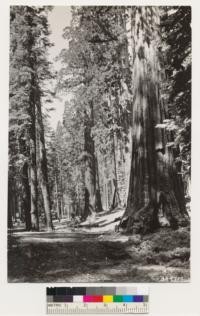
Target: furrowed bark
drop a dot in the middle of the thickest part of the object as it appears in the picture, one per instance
(152, 189)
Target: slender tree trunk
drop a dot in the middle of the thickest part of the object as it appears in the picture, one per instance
(32, 134)
(61, 194)
(58, 207)
(26, 196)
(60, 186)
(43, 168)
(14, 201)
(90, 173)
(99, 207)
(116, 198)
(10, 204)
(20, 207)
(153, 174)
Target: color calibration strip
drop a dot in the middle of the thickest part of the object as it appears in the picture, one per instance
(86, 300)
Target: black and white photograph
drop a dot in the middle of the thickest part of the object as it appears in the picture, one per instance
(99, 150)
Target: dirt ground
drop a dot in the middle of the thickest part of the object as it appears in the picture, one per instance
(82, 255)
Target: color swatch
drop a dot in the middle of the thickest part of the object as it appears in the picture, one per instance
(96, 295)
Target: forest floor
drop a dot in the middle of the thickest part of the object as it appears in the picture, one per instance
(95, 253)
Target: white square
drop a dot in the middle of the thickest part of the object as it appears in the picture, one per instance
(78, 298)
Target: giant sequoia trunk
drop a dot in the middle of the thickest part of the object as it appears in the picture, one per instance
(153, 197)
(92, 192)
(43, 168)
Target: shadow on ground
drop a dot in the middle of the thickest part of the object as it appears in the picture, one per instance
(89, 257)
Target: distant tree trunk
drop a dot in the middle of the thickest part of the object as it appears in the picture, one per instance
(116, 198)
(61, 195)
(10, 204)
(10, 223)
(59, 179)
(14, 200)
(61, 206)
(98, 192)
(153, 178)
(26, 196)
(43, 168)
(58, 206)
(90, 173)
(92, 195)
